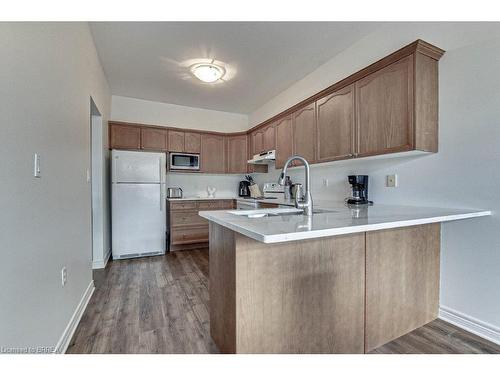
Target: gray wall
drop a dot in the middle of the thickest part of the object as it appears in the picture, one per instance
(465, 172)
(48, 72)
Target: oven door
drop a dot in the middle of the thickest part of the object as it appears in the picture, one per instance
(182, 161)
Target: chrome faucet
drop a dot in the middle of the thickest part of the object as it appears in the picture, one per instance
(306, 204)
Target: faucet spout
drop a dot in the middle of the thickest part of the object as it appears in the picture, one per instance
(305, 204)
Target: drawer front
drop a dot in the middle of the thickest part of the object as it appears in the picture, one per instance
(184, 205)
(186, 218)
(227, 204)
(209, 205)
(189, 235)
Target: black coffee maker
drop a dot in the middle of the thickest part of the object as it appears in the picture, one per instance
(359, 189)
(243, 190)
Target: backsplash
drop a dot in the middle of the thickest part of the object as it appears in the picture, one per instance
(195, 184)
(336, 173)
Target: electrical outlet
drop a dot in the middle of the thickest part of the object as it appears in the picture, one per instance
(391, 180)
(64, 276)
(325, 182)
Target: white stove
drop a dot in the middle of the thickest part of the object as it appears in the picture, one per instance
(271, 191)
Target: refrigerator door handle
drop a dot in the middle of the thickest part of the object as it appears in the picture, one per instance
(160, 175)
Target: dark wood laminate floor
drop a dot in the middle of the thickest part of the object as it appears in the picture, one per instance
(160, 305)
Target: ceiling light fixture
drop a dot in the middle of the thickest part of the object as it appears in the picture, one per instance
(208, 72)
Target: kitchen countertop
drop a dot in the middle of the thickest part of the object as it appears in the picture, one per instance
(343, 220)
(276, 201)
(194, 198)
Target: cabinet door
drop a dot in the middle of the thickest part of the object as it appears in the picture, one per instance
(257, 142)
(212, 153)
(304, 130)
(125, 137)
(268, 138)
(385, 110)
(175, 141)
(153, 139)
(236, 154)
(335, 125)
(192, 142)
(284, 141)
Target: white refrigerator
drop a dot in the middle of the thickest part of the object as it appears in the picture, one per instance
(138, 217)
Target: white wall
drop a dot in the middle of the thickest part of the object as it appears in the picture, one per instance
(164, 114)
(465, 172)
(48, 74)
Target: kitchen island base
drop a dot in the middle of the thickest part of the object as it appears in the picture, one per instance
(339, 294)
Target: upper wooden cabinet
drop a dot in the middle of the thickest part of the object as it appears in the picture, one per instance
(385, 109)
(268, 138)
(124, 137)
(236, 154)
(192, 142)
(154, 139)
(304, 132)
(212, 153)
(284, 141)
(175, 141)
(257, 142)
(263, 139)
(389, 106)
(335, 125)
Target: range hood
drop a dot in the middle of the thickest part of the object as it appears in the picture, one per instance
(263, 158)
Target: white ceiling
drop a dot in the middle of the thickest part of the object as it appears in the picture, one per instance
(145, 60)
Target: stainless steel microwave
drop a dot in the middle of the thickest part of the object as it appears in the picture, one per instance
(182, 161)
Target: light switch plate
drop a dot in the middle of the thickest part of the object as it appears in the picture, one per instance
(36, 166)
(391, 180)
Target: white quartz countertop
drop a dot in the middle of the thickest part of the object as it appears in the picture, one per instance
(195, 198)
(342, 220)
(280, 201)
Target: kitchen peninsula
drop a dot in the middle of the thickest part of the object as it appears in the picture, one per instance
(344, 280)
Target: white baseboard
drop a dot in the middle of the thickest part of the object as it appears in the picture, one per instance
(99, 264)
(62, 344)
(470, 324)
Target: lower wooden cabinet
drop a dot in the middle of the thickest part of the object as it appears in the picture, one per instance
(187, 229)
(188, 236)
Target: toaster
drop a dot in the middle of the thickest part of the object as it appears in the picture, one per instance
(174, 192)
